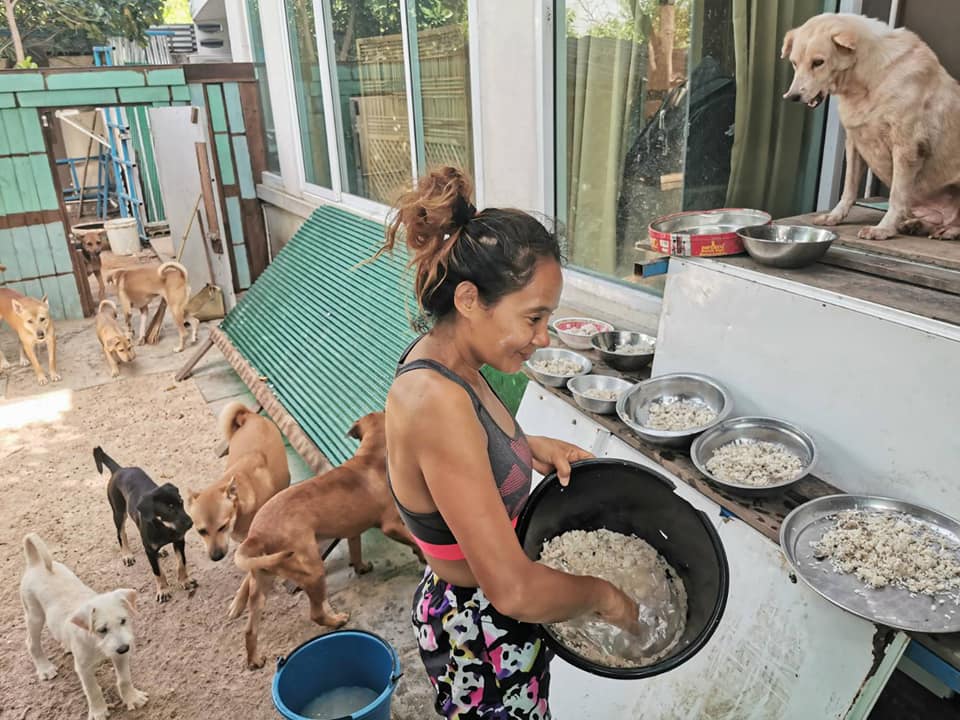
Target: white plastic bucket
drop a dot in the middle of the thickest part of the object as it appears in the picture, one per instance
(123, 235)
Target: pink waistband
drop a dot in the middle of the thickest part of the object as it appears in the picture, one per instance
(446, 552)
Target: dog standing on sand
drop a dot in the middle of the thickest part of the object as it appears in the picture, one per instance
(158, 513)
(92, 627)
(116, 344)
(288, 533)
(901, 112)
(256, 470)
(30, 319)
(137, 287)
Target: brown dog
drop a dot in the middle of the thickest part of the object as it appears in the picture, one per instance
(901, 112)
(116, 344)
(30, 319)
(287, 536)
(90, 247)
(256, 471)
(138, 286)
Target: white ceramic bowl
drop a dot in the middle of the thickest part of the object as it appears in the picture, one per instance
(576, 332)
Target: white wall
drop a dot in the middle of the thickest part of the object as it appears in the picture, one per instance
(509, 56)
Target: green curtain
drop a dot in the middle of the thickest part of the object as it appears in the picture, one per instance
(604, 82)
(772, 167)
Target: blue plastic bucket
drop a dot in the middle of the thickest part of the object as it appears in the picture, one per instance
(342, 658)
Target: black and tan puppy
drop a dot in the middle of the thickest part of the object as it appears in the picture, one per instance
(158, 513)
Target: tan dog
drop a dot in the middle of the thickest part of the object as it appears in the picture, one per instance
(289, 533)
(256, 471)
(138, 286)
(901, 113)
(90, 247)
(30, 319)
(116, 344)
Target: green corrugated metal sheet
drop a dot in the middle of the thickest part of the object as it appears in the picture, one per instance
(327, 334)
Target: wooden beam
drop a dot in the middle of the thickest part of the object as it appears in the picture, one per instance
(219, 72)
(299, 440)
(187, 370)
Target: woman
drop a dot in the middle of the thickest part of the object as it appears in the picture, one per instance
(459, 465)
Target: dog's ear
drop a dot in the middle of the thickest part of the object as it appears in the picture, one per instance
(45, 301)
(145, 506)
(787, 44)
(355, 431)
(231, 492)
(18, 307)
(192, 496)
(129, 598)
(845, 40)
(83, 618)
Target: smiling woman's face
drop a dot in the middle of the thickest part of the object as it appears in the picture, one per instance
(506, 333)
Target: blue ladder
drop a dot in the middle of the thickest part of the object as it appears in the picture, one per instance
(122, 159)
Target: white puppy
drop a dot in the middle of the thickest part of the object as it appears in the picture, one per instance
(93, 627)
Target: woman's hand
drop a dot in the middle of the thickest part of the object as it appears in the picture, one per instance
(550, 455)
(617, 608)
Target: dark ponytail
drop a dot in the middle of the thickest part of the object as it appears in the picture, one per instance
(450, 242)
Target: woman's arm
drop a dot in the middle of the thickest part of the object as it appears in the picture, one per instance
(450, 447)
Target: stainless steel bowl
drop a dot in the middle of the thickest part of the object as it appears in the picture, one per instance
(557, 354)
(607, 343)
(633, 406)
(579, 385)
(786, 246)
(744, 430)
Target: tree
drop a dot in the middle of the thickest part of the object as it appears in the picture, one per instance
(75, 26)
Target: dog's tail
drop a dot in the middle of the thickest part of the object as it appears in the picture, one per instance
(171, 266)
(110, 304)
(114, 276)
(232, 418)
(35, 551)
(249, 563)
(101, 459)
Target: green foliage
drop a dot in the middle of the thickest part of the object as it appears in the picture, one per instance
(26, 64)
(62, 27)
(177, 12)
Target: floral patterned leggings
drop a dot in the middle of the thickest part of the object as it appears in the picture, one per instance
(481, 663)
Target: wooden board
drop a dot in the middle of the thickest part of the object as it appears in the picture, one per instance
(907, 271)
(922, 301)
(942, 253)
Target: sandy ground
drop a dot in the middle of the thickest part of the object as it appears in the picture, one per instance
(189, 658)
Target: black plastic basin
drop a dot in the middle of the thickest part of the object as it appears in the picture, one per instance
(628, 498)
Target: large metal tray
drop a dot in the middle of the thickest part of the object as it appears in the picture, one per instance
(886, 606)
